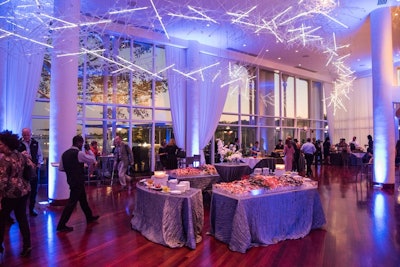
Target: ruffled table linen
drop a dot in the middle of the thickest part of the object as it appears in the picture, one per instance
(169, 220)
(246, 221)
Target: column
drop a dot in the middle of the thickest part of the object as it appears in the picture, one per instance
(382, 78)
(63, 99)
(193, 101)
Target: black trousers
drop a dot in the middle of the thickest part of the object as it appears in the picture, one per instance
(309, 161)
(18, 205)
(77, 193)
(32, 198)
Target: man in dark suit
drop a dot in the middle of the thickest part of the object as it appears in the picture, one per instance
(32, 148)
(72, 162)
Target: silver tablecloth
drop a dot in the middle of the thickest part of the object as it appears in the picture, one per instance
(203, 182)
(231, 172)
(170, 220)
(266, 219)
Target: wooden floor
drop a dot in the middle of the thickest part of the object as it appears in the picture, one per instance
(363, 229)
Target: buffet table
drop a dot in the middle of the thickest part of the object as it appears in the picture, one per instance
(355, 159)
(201, 181)
(169, 220)
(231, 172)
(246, 221)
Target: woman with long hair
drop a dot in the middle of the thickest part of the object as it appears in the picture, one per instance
(14, 188)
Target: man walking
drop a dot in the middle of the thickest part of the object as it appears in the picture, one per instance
(72, 162)
(308, 149)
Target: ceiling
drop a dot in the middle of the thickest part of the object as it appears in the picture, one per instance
(324, 38)
(298, 33)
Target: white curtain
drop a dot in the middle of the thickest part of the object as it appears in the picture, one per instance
(357, 117)
(22, 61)
(177, 92)
(212, 99)
(23, 76)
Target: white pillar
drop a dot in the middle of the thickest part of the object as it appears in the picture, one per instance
(63, 96)
(382, 77)
(193, 101)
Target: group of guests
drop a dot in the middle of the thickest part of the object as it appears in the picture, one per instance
(312, 150)
(293, 154)
(19, 162)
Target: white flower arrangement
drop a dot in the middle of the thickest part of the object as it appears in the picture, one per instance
(228, 153)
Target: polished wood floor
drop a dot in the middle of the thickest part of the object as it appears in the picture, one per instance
(363, 229)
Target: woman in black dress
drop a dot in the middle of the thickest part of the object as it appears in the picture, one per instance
(172, 149)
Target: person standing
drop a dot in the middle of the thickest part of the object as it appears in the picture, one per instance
(308, 149)
(327, 150)
(32, 147)
(95, 149)
(279, 145)
(162, 152)
(72, 162)
(255, 150)
(318, 153)
(343, 147)
(288, 151)
(296, 156)
(124, 157)
(370, 144)
(172, 150)
(14, 189)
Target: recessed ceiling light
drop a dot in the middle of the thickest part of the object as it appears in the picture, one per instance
(244, 45)
(297, 51)
(279, 58)
(358, 59)
(299, 64)
(266, 50)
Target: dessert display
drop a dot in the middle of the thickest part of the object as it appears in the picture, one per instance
(267, 184)
(206, 169)
(209, 169)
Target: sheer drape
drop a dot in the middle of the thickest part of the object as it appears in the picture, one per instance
(177, 92)
(212, 99)
(23, 77)
(21, 71)
(356, 120)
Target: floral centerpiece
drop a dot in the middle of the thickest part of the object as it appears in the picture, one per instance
(228, 153)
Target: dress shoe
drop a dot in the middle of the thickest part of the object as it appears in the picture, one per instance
(64, 228)
(33, 213)
(93, 219)
(26, 252)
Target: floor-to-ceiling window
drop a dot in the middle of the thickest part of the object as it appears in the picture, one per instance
(123, 90)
